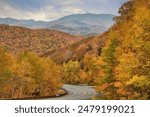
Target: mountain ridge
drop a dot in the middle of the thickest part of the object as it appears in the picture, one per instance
(76, 24)
(83, 24)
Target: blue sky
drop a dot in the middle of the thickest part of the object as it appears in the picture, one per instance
(48, 10)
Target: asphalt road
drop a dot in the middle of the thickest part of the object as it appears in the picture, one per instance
(77, 93)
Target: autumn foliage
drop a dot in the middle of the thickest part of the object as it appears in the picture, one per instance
(117, 62)
(27, 75)
(122, 69)
(130, 63)
(40, 41)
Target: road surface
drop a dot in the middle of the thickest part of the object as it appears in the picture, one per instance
(76, 92)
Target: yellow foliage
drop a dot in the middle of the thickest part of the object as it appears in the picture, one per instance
(28, 75)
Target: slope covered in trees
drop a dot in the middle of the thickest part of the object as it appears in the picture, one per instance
(39, 41)
(77, 51)
(126, 55)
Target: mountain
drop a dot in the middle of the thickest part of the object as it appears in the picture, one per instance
(23, 23)
(83, 24)
(39, 41)
(77, 24)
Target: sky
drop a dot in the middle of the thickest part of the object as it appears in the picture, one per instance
(48, 10)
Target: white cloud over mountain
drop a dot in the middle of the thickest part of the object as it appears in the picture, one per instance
(54, 9)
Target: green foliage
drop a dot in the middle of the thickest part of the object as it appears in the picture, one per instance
(108, 56)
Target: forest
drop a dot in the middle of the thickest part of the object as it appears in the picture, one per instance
(116, 62)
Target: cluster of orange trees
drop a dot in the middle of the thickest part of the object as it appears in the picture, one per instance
(27, 75)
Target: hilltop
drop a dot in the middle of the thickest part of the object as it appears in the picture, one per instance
(83, 24)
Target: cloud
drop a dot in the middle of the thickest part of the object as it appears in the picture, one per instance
(14, 11)
(54, 9)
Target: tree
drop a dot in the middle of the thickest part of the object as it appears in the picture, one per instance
(107, 88)
(6, 62)
(71, 72)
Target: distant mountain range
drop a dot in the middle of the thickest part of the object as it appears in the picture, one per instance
(78, 24)
(24, 23)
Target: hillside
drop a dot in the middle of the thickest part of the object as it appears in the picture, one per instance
(40, 41)
(76, 51)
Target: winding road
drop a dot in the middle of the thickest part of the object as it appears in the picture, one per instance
(76, 92)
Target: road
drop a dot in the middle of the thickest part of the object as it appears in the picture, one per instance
(77, 93)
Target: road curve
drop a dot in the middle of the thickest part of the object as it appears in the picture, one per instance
(76, 92)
